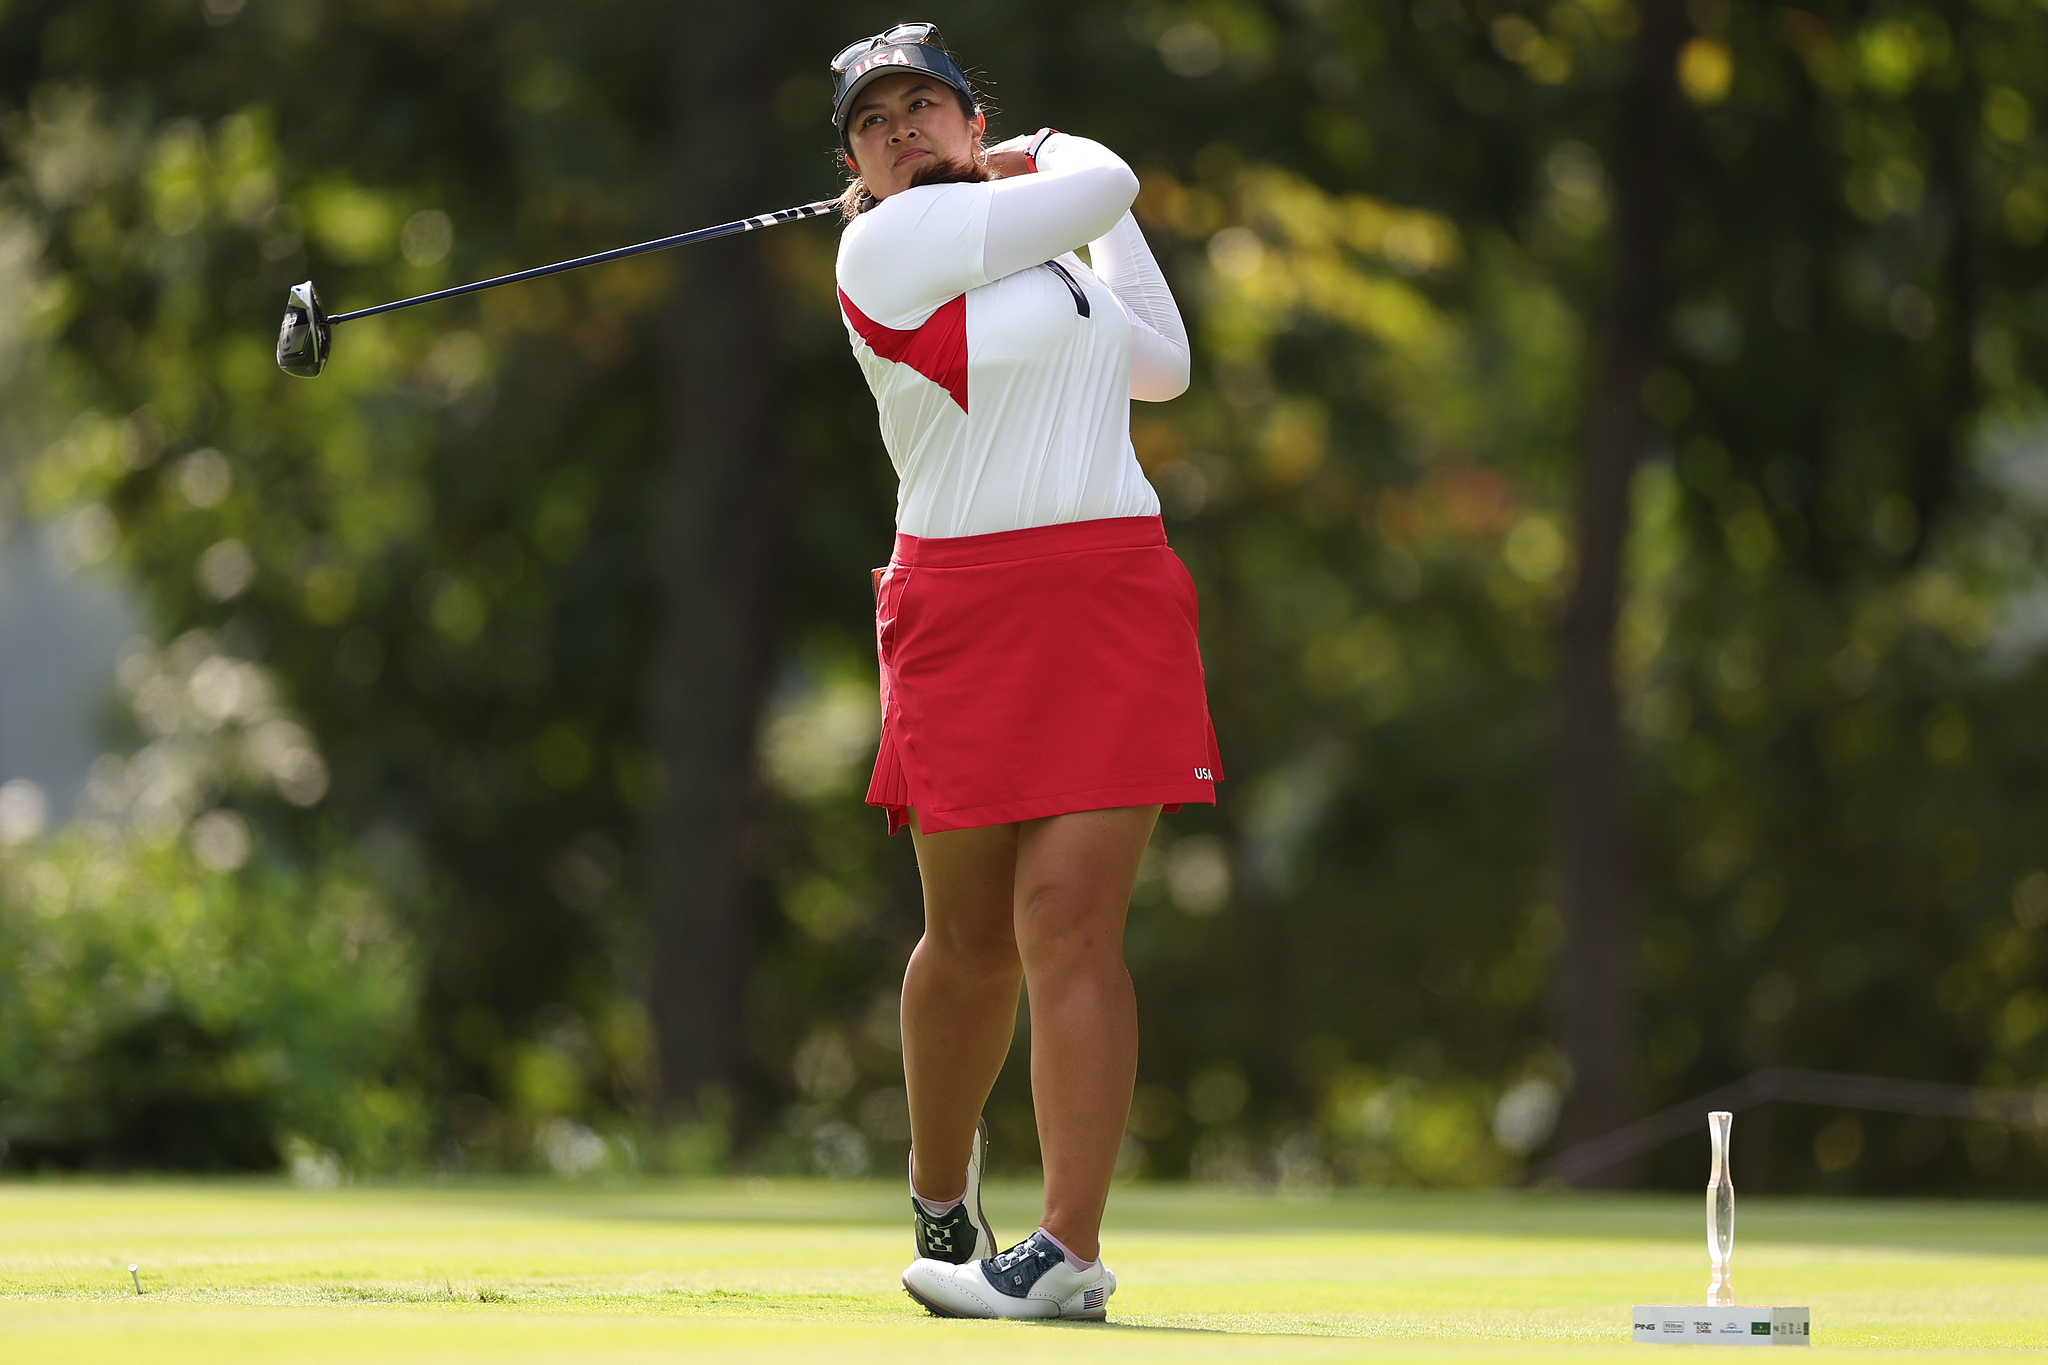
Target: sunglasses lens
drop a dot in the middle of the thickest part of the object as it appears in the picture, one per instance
(902, 33)
(853, 53)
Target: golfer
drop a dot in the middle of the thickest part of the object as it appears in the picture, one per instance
(1042, 694)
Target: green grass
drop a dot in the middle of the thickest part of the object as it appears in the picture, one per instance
(244, 1271)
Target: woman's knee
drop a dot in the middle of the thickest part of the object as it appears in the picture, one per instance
(978, 949)
(1069, 925)
(967, 876)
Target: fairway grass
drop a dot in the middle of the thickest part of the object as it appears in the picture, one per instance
(706, 1271)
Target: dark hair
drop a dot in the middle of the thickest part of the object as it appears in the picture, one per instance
(855, 200)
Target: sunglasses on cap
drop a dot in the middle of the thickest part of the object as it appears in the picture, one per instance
(902, 33)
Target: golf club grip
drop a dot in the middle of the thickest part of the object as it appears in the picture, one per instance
(790, 215)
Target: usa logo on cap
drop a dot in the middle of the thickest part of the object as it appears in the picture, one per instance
(895, 56)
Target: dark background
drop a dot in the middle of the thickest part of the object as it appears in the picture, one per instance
(1615, 476)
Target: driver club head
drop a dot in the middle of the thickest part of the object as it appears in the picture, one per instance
(302, 339)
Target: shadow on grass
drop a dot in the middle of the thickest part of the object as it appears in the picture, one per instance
(2010, 1228)
(2017, 1228)
(1161, 1329)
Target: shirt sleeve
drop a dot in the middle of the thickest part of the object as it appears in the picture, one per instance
(923, 247)
(1160, 359)
(1080, 191)
(914, 251)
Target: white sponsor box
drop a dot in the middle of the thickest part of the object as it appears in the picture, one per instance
(1692, 1325)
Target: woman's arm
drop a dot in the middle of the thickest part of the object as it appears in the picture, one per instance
(922, 247)
(1080, 191)
(913, 252)
(1160, 359)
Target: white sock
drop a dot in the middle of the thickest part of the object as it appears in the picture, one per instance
(1073, 1262)
(937, 1208)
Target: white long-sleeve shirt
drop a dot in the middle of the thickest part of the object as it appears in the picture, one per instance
(1002, 367)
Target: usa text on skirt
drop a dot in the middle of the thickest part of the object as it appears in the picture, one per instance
(1038, 672)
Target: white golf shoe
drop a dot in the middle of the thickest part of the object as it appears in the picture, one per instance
(962, 1235)
(1030, 1280)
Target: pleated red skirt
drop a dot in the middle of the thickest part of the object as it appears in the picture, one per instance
(1039, 672)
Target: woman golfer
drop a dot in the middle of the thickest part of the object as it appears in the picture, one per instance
(1042, 694)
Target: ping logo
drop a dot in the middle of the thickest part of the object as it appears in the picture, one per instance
(1204, 775)
(893, 57)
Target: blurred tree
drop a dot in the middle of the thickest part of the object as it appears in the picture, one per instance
(724, 506)
(555, 600)
(439, 550)
(1592, 989)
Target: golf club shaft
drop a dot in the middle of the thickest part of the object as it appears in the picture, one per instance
(822, 206)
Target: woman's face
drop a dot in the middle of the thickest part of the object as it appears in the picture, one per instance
(901, 125)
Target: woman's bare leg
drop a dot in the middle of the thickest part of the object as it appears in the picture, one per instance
(1073, 891)
(959, 996)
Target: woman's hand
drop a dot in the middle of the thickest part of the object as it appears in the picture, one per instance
(1006, 159)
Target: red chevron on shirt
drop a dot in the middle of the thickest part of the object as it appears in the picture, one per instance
(937, 350)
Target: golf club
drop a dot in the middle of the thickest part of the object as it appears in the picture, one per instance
(304, 340)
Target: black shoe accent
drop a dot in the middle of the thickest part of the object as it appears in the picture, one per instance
(1016, 1270)
(949, 1238)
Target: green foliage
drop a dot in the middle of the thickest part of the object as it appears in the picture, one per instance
(158, 1014)
(1389, 226)
(442, 574)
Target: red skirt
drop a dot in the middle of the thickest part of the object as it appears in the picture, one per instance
(1038, 672)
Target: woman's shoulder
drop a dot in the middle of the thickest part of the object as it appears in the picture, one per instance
(907, 210)
(916, 219)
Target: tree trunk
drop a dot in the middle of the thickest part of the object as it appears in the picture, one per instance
(1939, 450)
(1592, 1007)
(720, 517)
